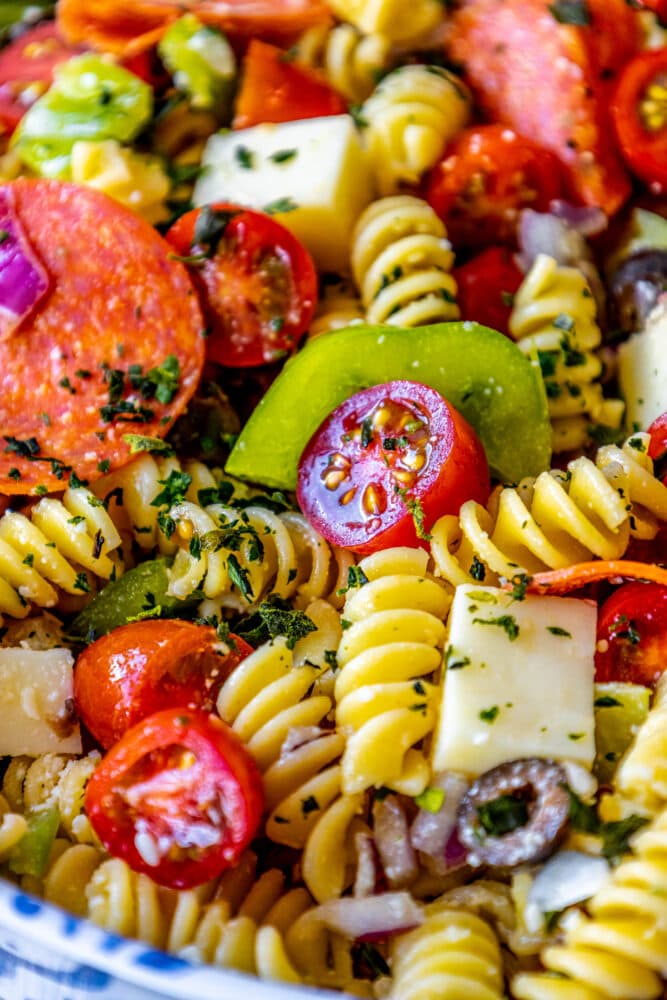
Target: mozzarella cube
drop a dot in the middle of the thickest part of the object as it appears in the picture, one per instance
(642, 371)
(36, 700)
(317, 168)
(518, 681)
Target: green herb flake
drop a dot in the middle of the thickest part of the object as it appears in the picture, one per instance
(573, 12)
(489, 715)
(606, 701)
(280, 205)
(283, 155)
(506, 622)
(239, 577)
(454, 660)
(244, 157)
(557, 630)
(309, 805)
(502, 815)
(355, 578)
(154, 446)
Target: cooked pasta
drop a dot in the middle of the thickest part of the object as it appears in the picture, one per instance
(13, 826)
(386, 689)
(339, 306)
(180, 132)
(322, 956)
(392, 18)
(554, 320)
(52, 780)
(619, 950)
(454, 954)
(61, 546)
(408, 121)
(556, 520)
(401, 261)
(134, 179)
(351, 61)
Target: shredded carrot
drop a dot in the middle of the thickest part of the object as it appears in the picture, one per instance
(562, 581)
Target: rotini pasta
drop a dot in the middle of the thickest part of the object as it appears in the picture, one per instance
(401, 261)
(339, 306)
(452, 956)
(134, 179)
(556, 520)
(391, 18)
(53, 780)
(620, 949)
(350, 60)
(61, 546)
(412, 115)
(385, 695)
(554, 319)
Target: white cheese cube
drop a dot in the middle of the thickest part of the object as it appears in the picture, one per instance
(327, 181)
(518, 681)
(642, 371)
(36, 702)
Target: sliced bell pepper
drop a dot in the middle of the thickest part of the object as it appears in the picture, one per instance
(479, 371)
(202, 63)
(30, 856)
(89, 99)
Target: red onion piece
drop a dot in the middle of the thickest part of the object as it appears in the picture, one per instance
(368, 869)
(392, 840)
(589, 220)
(371, 918)
(23, 280)
(456, 855)
(431, 832)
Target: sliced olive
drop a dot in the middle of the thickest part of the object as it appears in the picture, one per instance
(515, 813)
(635, 288)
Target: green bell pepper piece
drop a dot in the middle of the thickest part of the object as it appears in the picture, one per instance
(482, 373)
(89, 99)
(31, 855)
(139, 593)
(620, 709)
(202, 63)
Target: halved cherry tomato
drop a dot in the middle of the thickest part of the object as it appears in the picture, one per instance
(146, 666)
(639, 112)
(657, 448)
(486, 285)
(178, 798)
(386, 464)
(486, 176)
(26, 70)
(258, 284)
(273, 89)
(632, 635)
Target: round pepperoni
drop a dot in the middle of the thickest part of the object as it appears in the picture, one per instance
(113, 348)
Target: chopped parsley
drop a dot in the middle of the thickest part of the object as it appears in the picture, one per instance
(506, 622)
(283, 155)
(489, 715)
(309, 805)
(606, 701)
(244, 157)
(280, 205)
(355, 578)
(239, 577)
(615, 835)
(557, 630)
(416, 511)
(431, 799)
(140, 442)
(574, 12)
(454, 660)
(502, 815)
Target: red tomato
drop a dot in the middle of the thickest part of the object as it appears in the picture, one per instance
(178, 798)
(632, 635)
(639, 112)
(659, 7)
(386, 464)
(148, 67)
(146, 666)
(26, 70)
(258, 284)
(273, 89)
(486, 176)
(486, 286)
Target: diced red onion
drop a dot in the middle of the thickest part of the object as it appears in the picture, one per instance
(371, 918)
(23, 280)
(392, 839)
(431, 832)
(589, 220)
(456, 855)
(567, 878)
(368, 868)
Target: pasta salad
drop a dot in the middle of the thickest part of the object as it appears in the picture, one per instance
(333, 496)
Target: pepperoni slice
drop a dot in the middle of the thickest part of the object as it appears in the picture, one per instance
(113, 347)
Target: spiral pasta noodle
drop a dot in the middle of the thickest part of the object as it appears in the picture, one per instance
(392, 19)
(554, 521)
(53, 780)
(385, 699)
(180, 132)
(135, 180)
(408, 121)
(454, 954)
(60, 546)
(401, 261)
(554, 319)
(350, 60)
(619, 950)
(339, 306)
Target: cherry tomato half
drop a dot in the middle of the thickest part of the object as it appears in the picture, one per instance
(486, 285)
(639, 112)
(657, 448)
(486, 176)
(632, 635)
(147, 666)
(386, 464)
(26, 69)
(273, 89)
(178, 798)
(258, 284)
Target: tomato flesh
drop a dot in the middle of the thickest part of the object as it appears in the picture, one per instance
(146, 666)
(632, 635)
(257, 283)
(178, 798)
(486, 176)
(485, 287)
(386, 464)
(639, 112)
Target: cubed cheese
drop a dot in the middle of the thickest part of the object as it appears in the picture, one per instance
(327, 182)
(642, 371)
(36, 702)
(518, 681)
